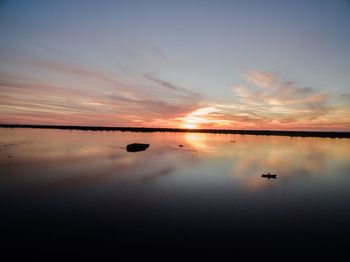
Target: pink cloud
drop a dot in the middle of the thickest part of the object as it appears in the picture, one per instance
(282, 105)
(110, 102)
(259, 79)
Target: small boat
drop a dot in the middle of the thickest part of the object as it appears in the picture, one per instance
(268, 176)
(136, 147)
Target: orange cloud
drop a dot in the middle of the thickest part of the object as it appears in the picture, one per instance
(280, 105)
(93, 97)
(104, 102)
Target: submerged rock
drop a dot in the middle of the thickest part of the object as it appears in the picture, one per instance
(136, 147)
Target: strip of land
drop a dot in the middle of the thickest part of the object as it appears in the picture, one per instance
(214, 131)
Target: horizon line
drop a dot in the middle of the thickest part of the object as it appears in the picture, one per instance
(291, 133)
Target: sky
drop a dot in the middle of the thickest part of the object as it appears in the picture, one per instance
(279, 65)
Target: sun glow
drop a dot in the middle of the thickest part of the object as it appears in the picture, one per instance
(190, 125)
(202, 117)
(197, 117)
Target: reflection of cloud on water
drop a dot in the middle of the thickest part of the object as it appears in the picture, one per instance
(67, 159)
(289, 161)
(8, 146)
(95, 166)
(289, 158)
(163, 172)
(117, 168)
(60, 160)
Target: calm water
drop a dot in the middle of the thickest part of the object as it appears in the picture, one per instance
(81, 191)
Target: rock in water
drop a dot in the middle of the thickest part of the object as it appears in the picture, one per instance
(136, 147)
(268, 176)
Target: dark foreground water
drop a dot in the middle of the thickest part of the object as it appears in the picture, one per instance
(80, 192)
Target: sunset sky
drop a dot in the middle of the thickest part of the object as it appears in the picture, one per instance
(281, 65)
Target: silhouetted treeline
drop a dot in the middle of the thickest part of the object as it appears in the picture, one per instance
(213, 131)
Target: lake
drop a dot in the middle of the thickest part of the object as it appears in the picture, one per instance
(67, 191)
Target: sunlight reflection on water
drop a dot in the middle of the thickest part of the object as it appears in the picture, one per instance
(211, 188)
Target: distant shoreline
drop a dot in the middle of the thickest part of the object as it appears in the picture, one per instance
(182, 130)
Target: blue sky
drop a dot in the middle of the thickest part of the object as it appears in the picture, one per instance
(230, 64)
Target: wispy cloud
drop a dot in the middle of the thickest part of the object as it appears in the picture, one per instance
(86, 95)
(345, 97)
(282, 100)
(268, 102)
(259, 78)
(176, 90)
(105, 101)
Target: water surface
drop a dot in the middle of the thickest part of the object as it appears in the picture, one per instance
(81, 191)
